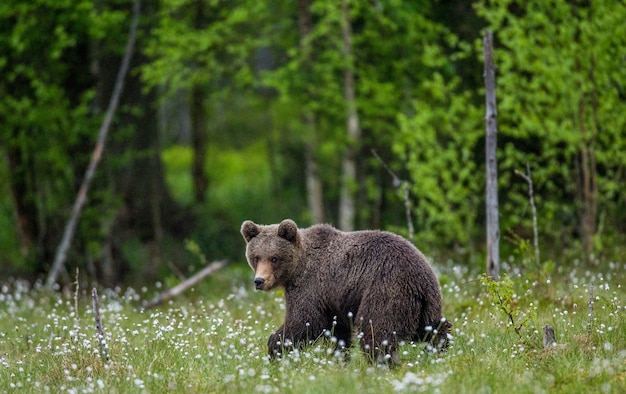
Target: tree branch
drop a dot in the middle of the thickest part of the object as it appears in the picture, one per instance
(531, 197)
(397, 182)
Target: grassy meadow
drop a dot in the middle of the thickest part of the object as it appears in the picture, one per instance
(213, 339)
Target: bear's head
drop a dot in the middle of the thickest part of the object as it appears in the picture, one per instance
(272, 252)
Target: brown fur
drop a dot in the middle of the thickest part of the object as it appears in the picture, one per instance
(370, 283)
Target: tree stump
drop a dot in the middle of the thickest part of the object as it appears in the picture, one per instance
(549, 337)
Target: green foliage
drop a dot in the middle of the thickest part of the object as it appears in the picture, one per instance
(177, 161)
(388, 77)
(46, 113)
(502, 295)
(268, 94)
(240, 188)
(438, 145)
(199, 43)
(560, 98)
(523, 250)
(237, 175)
(194, 249)
(9, 243)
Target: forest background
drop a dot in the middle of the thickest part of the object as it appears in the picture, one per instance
(263, 110)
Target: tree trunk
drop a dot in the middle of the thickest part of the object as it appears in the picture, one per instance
(148, 207)
(493, 226)
(199, 136)
(25, 212)
(588, 211)
(586, 168)
(146, 210)
(314, 187)
(347, 209)
(199, 140)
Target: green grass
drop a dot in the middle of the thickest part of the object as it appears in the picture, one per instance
(214, 340)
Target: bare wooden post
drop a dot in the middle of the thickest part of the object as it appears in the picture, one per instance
(493, 226)
(590, 324)
(549, 336)
(96, 315)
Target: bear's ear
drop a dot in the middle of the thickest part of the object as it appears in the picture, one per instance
(288, 230)
(249, 230)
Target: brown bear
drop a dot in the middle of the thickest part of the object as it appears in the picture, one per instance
(373, 284)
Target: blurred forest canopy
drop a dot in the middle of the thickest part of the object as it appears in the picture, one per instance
(247, 109)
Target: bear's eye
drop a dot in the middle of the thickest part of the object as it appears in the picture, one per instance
(274, 260)
(256, 259)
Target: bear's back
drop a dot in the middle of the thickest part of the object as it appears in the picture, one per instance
(380, 250)
(321, 235)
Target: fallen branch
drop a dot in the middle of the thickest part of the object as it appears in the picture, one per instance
(61, 253)
(96, 315)
(187, 283)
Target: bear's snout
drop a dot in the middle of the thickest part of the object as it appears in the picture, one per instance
(258, 283)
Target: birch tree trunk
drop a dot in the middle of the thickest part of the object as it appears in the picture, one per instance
(347, 211)
(315, 195)
(493, 226)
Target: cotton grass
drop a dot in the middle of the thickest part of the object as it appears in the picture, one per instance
(215, 341)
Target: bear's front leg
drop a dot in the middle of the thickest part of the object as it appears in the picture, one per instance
(275, 344)
(285, 339)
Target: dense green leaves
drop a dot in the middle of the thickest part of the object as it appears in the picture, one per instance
(202, 42)
(248, 94)
(46, 91)
(439, 144)
(561, 82)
